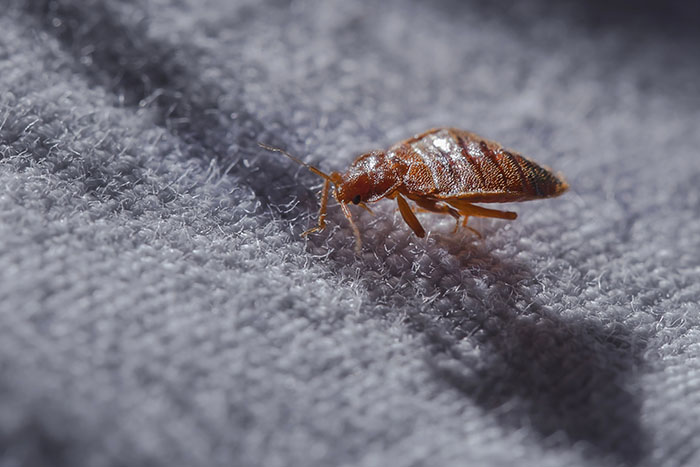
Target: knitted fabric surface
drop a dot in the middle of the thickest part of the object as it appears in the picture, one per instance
(158, 306)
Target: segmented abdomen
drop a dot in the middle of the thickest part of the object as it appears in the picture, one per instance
(451, 163)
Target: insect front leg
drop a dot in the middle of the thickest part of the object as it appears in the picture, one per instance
(355, 230)
(322, 210)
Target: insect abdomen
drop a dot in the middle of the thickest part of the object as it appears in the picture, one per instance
(451, 163)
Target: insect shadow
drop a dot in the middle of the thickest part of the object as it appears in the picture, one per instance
(139, 70)
(490, 335)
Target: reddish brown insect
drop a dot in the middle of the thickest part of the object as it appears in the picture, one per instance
(443, 170)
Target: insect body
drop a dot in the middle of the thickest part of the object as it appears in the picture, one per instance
(443, 170)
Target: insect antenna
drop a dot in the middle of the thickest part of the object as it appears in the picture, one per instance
(298, 161)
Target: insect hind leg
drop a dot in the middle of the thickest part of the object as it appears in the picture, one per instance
(468, 209)
(434, 206)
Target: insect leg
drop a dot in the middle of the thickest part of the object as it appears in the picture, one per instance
(433, 206)
(355, 230)
(409, 217)
(468, 209)
(471, 229)
(322, 211)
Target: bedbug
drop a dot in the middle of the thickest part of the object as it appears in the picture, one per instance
(443, 170)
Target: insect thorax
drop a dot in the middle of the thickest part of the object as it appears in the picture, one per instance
(369, 178)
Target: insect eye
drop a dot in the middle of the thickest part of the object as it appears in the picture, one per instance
(357, 199)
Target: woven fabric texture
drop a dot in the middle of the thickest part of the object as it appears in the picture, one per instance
(158, 307)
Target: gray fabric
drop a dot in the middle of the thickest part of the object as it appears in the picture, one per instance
(157, 306)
